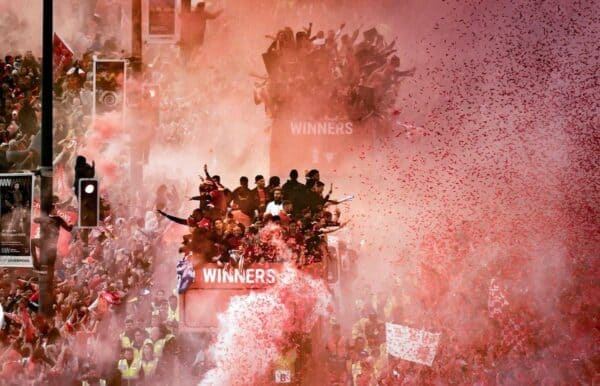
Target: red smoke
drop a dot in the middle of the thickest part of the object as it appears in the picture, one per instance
(257, 327)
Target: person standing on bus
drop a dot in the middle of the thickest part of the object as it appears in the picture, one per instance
(275, 207)
(260, 195)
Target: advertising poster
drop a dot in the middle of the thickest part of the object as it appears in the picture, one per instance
(16, 197)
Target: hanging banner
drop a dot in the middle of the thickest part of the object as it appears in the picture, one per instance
(16, 198)
(411, 344)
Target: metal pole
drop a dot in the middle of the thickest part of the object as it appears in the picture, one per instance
(47, 254)
(136, 168)
(136, 30)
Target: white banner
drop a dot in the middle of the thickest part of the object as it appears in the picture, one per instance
(410, 344)
(1, 317)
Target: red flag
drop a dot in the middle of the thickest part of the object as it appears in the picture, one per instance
(110, 297)
(29, 328)
(62, 55)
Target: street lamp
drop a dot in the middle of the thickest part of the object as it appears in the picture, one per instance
(47, 255)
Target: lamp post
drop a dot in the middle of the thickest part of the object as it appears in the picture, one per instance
(47, 254)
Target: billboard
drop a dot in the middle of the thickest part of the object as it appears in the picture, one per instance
(16, 198)
(109, 87)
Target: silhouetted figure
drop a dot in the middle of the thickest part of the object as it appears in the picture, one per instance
(83, 170)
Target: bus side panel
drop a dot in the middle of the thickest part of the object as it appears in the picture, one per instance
(200, 307)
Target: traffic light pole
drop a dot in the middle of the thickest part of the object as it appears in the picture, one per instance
(47, 254)
(136, 168)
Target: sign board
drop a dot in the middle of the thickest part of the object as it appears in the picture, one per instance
(16, 198)
(109, 86)
(283, 376)
(411, 344)
(211, 276)
(212, 289)
(160, 20)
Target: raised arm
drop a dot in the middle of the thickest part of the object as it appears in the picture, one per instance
(177, 220)
(213, 15)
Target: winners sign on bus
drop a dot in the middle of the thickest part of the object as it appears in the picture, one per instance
(257, 276)
(214, 286)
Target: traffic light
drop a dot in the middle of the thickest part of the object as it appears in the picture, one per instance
(89, 203)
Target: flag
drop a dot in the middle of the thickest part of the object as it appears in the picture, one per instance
(62, 55)
(110, 297)
(185, 275)
(411, 344)
(28, 324)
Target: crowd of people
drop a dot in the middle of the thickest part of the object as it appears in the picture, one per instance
(236, 228)
(97, 282)
(103, 279)
(330, 70)
(115, 324)
(502, 335)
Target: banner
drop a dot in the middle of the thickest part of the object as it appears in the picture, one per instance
(211, 276)
(411, 344)
(16, 198)
(1, 317)
(62, 55)
(109, 86)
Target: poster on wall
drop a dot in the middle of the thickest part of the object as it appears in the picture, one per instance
(16, 198)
